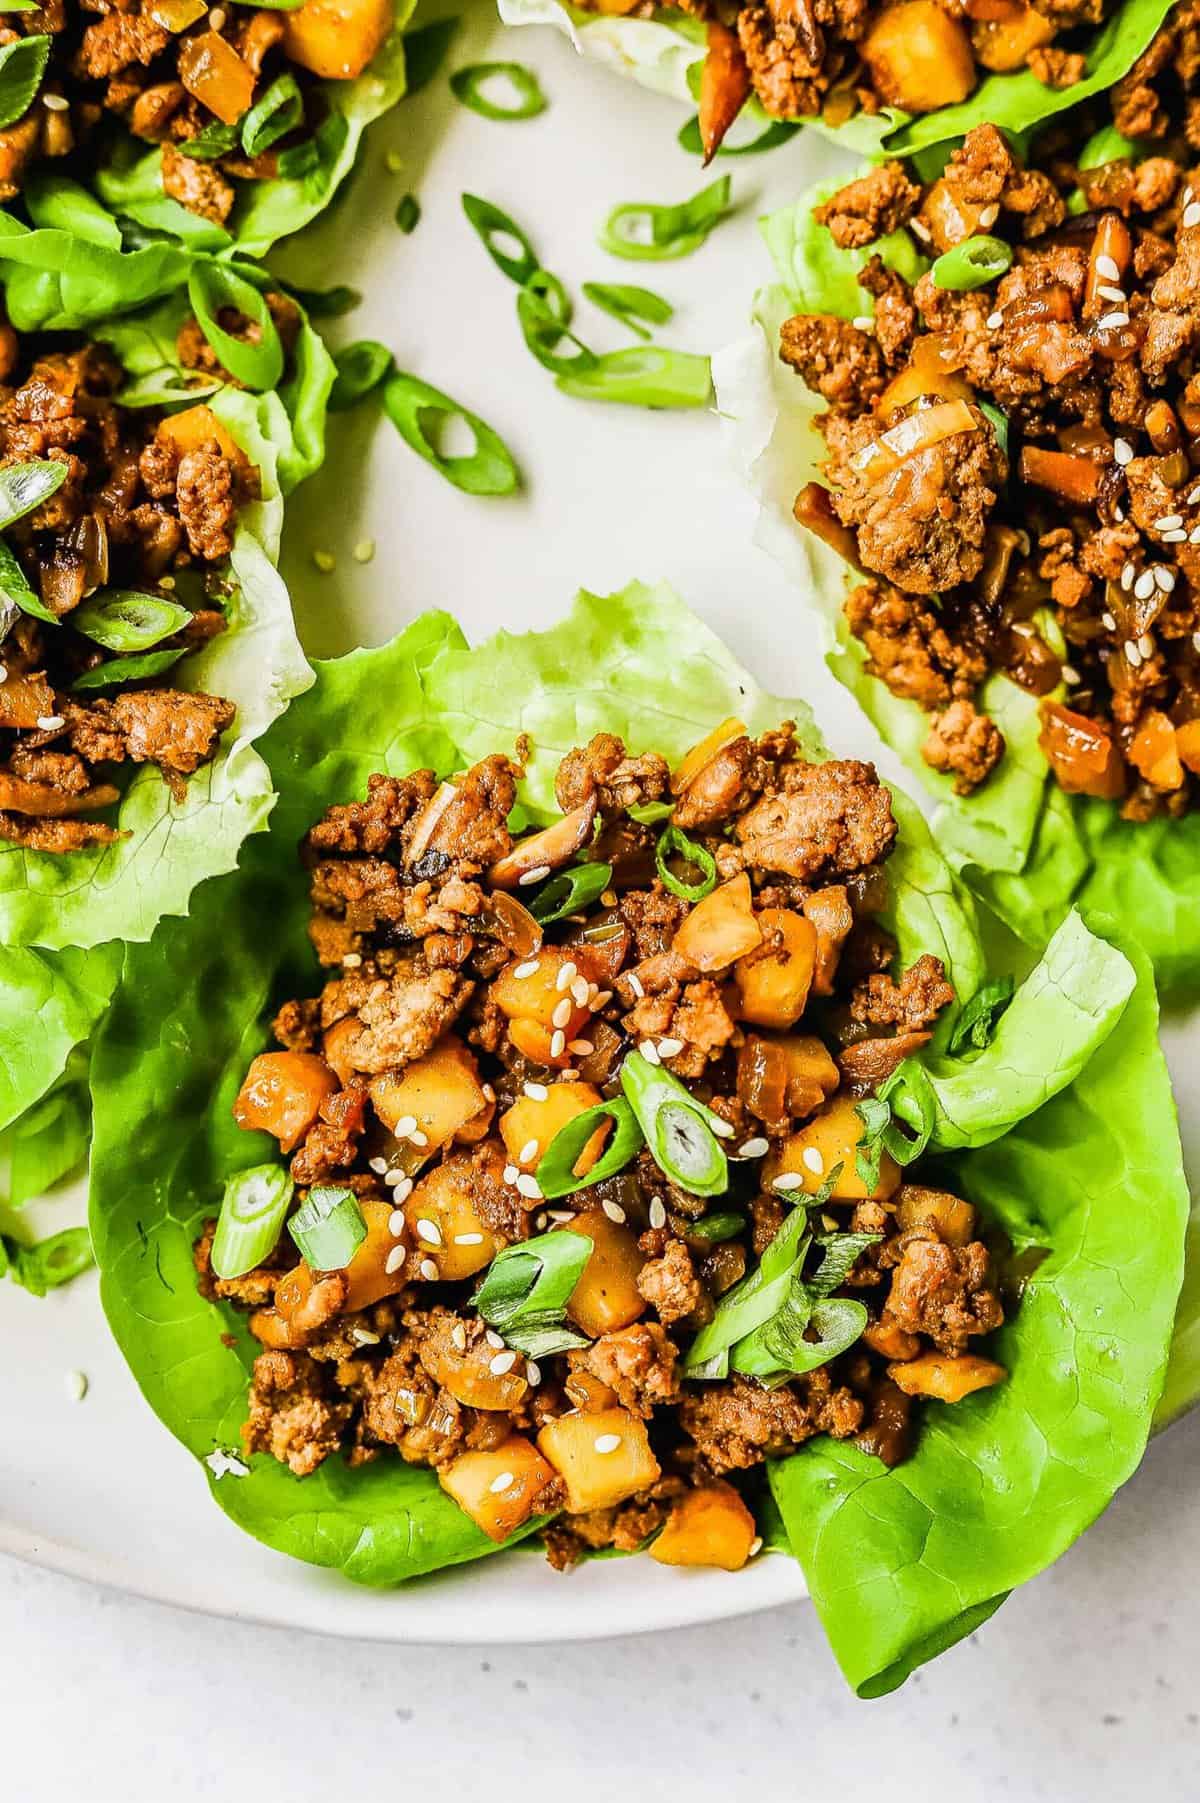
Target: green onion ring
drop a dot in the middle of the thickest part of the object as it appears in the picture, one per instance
(555, 1174)
(972, 264)
(124, 620)
(329, 1228)
(490, 221)
(676, 842)
(629, 304)
(252, 1212)
(411, 404)
(213, 286)
(569, 892)
(467, 85)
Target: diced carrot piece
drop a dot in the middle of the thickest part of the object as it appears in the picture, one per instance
(1154, 752)
(282, 1095)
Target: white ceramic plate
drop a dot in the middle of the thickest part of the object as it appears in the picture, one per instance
(99, 1488)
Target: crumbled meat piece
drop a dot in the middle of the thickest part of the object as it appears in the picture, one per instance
(292, 1413)
(206, 495)
(619, 782)
(909, 648)
(119, 39)
(637, 1363)
(332, 1143)
(826, 818)
(653, 916)
(738, 1424)
(198, 186)
(870, 207)
(912, 1004)
(625, 1528)
(835, 358)
(1057, 68)
(964, 743)
(173, 728)
(399, 1016)
(670, 1284)
(944, 1292)
(702, 1022)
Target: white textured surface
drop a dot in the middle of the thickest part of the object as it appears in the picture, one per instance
(1081, 1688)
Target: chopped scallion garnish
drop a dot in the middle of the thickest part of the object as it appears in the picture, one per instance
(128, 669)
(280, 111)
(677, 1127)
(972, 264)
(360, 367)
(630, 304)
(329, 1228)
(252, 1214)
(416, 410)
(646, 376)
(644, 231)
(569, 892)
(212, 287)
(528, 101)
(555, 1174)
(124, 620)
(24, 486)
(526, 1289)
(408, 214)
(517, 259)
(675, 843)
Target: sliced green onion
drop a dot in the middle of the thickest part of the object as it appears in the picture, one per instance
(778, 131)
(280, 111)
(972, 264)
(752, 1301)
(999, 423)
(424, 53)
(675, 843)
(408, 214)
(124, 620)
(781, 1349)
(360, 367)
(22, 65)
(641, 230)
(677, 1128)
(491, 223)
(976, 1026)
(1107, 145)
(545, 283)
(165, 387)
(909, 1094)
(415, 408)
(644, 377)
(630, 304)
(50, 1263)
(128, 669)
(526, 1289)
(649, 813)
(15, 589)
(214, 140)
(24, 486)
(569, 892)
(211, 288)
(840, 1252)
(252, 1214)
(329, 1228)
(715, 1228)
(542, 330)
(875, 1115)
(468, 84)
(555, 1174)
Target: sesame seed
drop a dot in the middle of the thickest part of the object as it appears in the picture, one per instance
(528, 1151)
(601, 999)
(405, 1126)
(812, 1158)
(1191, 216)
(352, 960)
(1109, 268)
(403, 1190)
(566, 976)
(217, 18)
(503, 1481)
(533, 876)
(988, 216)
(533, 1374)
(76, 1385)
(721, 1128)
(1119, 515)
(167, 582)
(428, 1270)
(649, 1051)
(1194, 498)
(55, 103)
(562, 1012)
(1132, 653)
(582, 1048)
(1122, 451)
(394, 161)
(1108, 622)
(397, 1222)
(364, 550)
(503, 1361)
(1169, 522)
(864, 322)
(830, 1222)
(527, 969)
(3, 672)
(635, 983)
(51, 722)
(393, 1177)
(788, 1180)
(537, 1092)
(581, 990)
(995, 321)
(1070, 673)
(1128, 576)
(1143, 588)
(541, 1221)
(568, 1076)
(528, 1187)
(607, 1442)
(493, 1339)
(489, 1094)
(658, 1214)
(753, 1148)
(1165, 577)
(756, 1546)
(1175, 537)
(558, 1043)
(920, 230)
(1196, 641)
(325, 561)
(429, 1231)
(561, 1215)
(614, 1211)
(458, 1336)
(669, 1048)
(1108, 322)
(419, 1139)
(1146, 645)
(362, 1336)
(511, 1173)
(1113, 294)
(394, 1260)
(468, 1239)
(379, 1166)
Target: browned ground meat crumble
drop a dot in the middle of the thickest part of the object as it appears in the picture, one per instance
(165, 82)
(147, 505)
(452, 1040)
(1067, 554)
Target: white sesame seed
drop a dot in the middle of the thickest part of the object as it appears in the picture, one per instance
(533, 876)
(55, 103)
(418, 1139)
(429, 1270)
(429, 1231)
(1177, 536)
(1196, 641)
(601, 999)
(404, 1126)
(1109, 268)
(566, 975)
(537, 1092)
(788, 1180)
(533, 1374)
(511, 1173)
(379, 1166)
(393, 1177)
(721, 1128)
(1169, 522)
(1128, 576)
(562, 1012)
(394, 1260)
(527, 969)
(1119, 515)
(403, 1190)
(3, 672)
(362, 1336)
(649, 1051)
(1194, 536)
(489, 1094)
(1191, 216)
(864, 322)
(503, 1361)
(753, 1148)
(1122, 451)
(995, 321)
(364, 550)
(1165, 577)
(51, 722)
(493, 1339)
(1108, 622)
(562, 1215)
(397, 1222)
(1146, 645)
(468, 1239)
(217, 18)
(500, 1483)
(614, 1211)
(1113, 294)
(581, 1048)
(1143, 588)
(568, 1076)
(1132, 653)
(76, 1385)
(352, 960)
(756, 1546)
(812, 1158)
(458, 1336)
(607, 1442)
(225, 1464)
(1070, 673)
(988, 216)
(1108, 322)
(581, 989)
(920, 230)
(635, 983)
(528, 1187)
(528, 1151)
(558, 1043)
(1194, 497)
(658, 1214)
(669, 1048)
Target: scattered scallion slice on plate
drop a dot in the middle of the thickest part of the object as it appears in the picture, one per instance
(645, 231)
(626, 302)
(470, 85)
(645, 376)
(493, 226)
(416, 410)
(360, 367)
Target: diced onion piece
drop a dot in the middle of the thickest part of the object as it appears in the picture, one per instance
(695, 760)
(545, 850)
(212, 71)
(1081, 752)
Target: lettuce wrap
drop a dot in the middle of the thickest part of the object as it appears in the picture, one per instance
(1025, 848)
(980, 1506)
(666, 53)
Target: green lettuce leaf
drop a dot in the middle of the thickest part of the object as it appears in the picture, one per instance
(49, 1004)
(58, 280)
(903, 1563)
(665, 53)
(50, 1140)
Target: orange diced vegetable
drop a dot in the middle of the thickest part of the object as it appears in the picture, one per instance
(444, 1223)
(945, 1379)
(1002, 45)
(1073, 479)
(336, 39)
(709, 1526)
(1154, 752)
(1081, 752)
(606, 1296)
(499, 1490)
(602, 1459)
(282, 1094)
(211, 70)
(830, 1139)
(774, 980)
(367, 1274)
(721, 928)
(949, 1217)
(919, 56)
(196, 429)
(1187, 743)
(441, 1092)
(24, 700)
(1112, 242)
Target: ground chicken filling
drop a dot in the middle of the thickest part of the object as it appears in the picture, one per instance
(1015, 468)
(831, 59)
(145, 514)
(228, 92)
(456, 1037)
